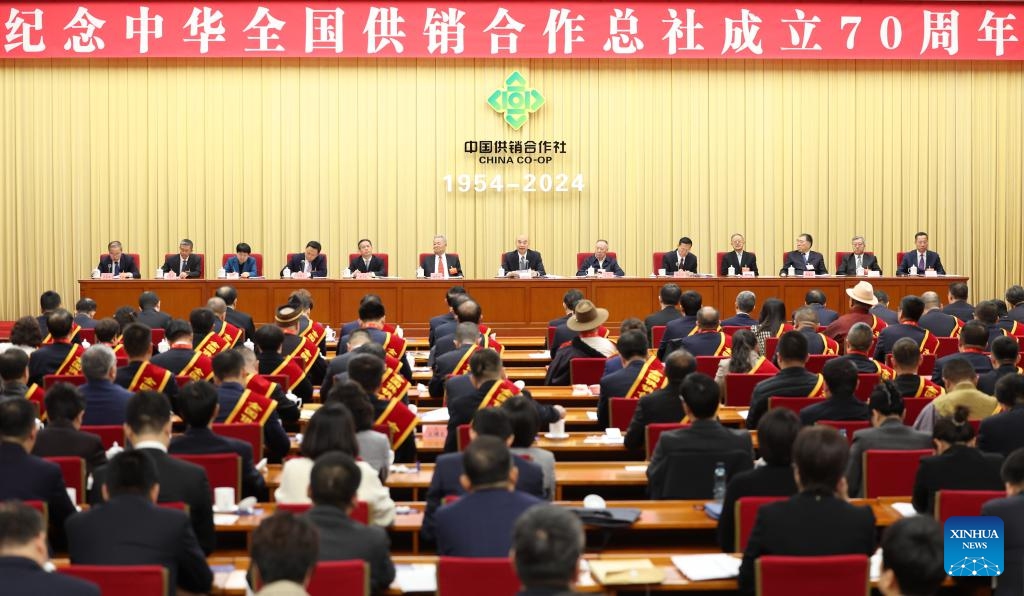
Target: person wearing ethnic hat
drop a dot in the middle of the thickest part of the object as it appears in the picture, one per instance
(862, 298)
(296, 347)
(585, 320)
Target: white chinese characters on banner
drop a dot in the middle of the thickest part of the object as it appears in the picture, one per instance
(509, 40)
(85, 41)
(267, 30)
(382, 28)
(997, 30)
(204, 26)
(559, 20)
(22, 26)
(445, 31)
(622, 25)
(324, 30)
(144, 27)
(684, 31)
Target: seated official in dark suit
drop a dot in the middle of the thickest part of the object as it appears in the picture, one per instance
(957, 463)
(818, 520)
(242, 262)
(230, 380)
(467, 310)
(816, 300)
(367, 262)
(792, 380)
(840, 403)
(445, 483)
(85, 313)
(1015, 301)
(1004, 432)
(63, 436)
(234, 316)
(668, 300)
(149, 312)
(128, 528)
(740, 261)
(480, 523)
(366, 369)
(805, 320)
(140, 374)
(105, 400)
(184, 265)
(547, 542)
(332, 486)
(683, 463)
(912, 557)
(523, 259)
(973, 337)
(882, 310)
(709, 339)
(958, 305)
(804, 259)
(858, 260)
(887, 432)
(690, 303)
(911, 309)
(26, 477)
(339, 364)
(197, 404)
(921, 258)
(939, 323)
(117, 263)
(680, 259)
(60, 357)
(440, 262)
(148, 429)
(447, 318)
(181, 360)
(309, 261)
(858, 343)
(663, 405)
(14, 377)
(284, 552)
(23, 553)
(906, 359)
(455, 362)
(775, 434)
(1005, 353)
(745, 302)
(600, 262)
(1011, 511)
(632, 347)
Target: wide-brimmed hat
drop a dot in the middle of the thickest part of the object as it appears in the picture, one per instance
(586, 316)
(863, 292)
(287, 314)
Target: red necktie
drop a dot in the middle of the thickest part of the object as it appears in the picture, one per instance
(439, 269)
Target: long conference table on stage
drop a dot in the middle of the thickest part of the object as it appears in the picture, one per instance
(510, 306)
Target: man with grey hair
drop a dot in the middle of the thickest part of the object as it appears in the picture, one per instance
(455, 362)
(858, 342)
(547, 542)
(745, 303)
(185, 264)
(105, 400)
(805, 320)
(117, 263)
(936, 321)
(858, 260)
(440, 262)
(221, 326)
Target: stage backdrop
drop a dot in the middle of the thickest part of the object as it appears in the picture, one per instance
(275, 152)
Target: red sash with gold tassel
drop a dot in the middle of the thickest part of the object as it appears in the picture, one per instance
(260, 385)
(486, 341)
(314, 332)
(251, 408)
(304, 355)
(925, 388)
(463, 366)
(291, 370)
(725, 347)
(651, 378)
(763, 367)
(400, 420)
(393, 385)
(877, 325)
(230, 333)
(212, 345)
(34, 394)
(499, 392)
(929, 343)
(200, 368)
(72, 364)
(819, 388)
(831, 345)
(394, 346)
(150, 377)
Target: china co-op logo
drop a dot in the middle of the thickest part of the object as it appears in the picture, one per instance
(516, 101)
(973, 546)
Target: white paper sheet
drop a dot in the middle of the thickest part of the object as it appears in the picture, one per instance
(419, 577)
(438, 415)
(904, 509)
(706, 567)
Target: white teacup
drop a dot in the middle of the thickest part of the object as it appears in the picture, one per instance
(224, 498)
(557, 428)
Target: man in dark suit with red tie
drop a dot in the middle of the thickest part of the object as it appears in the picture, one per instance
(740, 261)
(366, 261)
(922, 258)
(523, 259)
(117, 263)
(803, 258)
(185, 265)
(680, 259)
(441, 262)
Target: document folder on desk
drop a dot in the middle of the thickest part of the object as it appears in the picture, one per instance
(626, 572)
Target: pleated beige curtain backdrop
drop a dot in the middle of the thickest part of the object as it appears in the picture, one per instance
(277, 152)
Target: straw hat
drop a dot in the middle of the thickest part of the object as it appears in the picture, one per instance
(863, 292)
(587, 316)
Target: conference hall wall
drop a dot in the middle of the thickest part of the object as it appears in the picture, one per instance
(275, 152)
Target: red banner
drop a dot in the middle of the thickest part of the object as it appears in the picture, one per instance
(702, 30)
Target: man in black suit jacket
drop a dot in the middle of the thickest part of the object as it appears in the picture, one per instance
(745, 302)
(817, 300)
(63, 437)
(958, 305)
(234, 316)
(705, 439)
(1015, 300)
(1005, 353)
(522, 258)
(148, 429)
(920, 256)
(332, 486)
(466, 335)
(663, 405)
(841, 404)
(956, 466)
(442, 319)
(23, 553)
(1004, 432)
(818, 520)
(117, 263)
(366, 261)
(441, 261)
(185, 264)
(690, 303)
(680, 259)
(149, 312)
(668, 299)
(973, 338)
(85, 313)
(632, 347)
(851, 260)
(130, 529)
(27, 477)
(939, 323)
(740, 261)
(1011, 511)
(339, 364)
(600, 261)
(803, 258)
(48, 359)
(229, 376)
(308, 261)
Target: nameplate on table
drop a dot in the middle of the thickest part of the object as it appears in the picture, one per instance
(361, 275)
(435, 431)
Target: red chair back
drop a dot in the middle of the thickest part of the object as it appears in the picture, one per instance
(866, 383)
(770, 345)
(657, 333)
(849, 426)
(222, 469)
(462, 439)
(746, 514)
(947, 346)
(340, 577)
(836, 575)
(912, 407)
(891, 473)
(654, 431)
(840, 255)
(158, 336)
(202, 259)
(953, 503)
(551, 336)
(816, 362)
(586, 371)
(88, 335)
(465, 576)
(73, 470)
(256, 256)
(5, 330)
(731, 329)
(709, 364)
(793, 403)
(51, 380)
(582, 256)
(740, 386)
(359, 513)
(108, 433)
(296, 508)
(899, 258)
(656, 259)
(123, 580)
(380, 255)
(250, 433)
(620, 412)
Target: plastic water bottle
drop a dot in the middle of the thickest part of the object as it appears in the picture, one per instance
(791, 271)
(732, 271)
(719, 490)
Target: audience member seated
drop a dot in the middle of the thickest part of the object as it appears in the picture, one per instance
(805, 320)
(150, 315)
(338, 365)
(14, 374)
(140, 374)
(792, 380)
(479, 524)
(958, 305)
(959, 377)
(709, 340)
(197, 403)
(906, 359)
(887, 432)
(882, 310)
(63, 437)
(585, 321)
(27, 477)
(269, 339)
(297, 348)
(973, 338)
(447, 320)
(776, 433)
(148, 429)
(632, 347)
(522, 414)
(331, 429)
(934, 320)
(863, 301)
(333, 486)
(181, 360)
(547, 543)
(690, 303)
(1005, 352)
(858, 342)
(668, 300)
(466, 311)
(987, 313)
(663, 405)
(818, 520)
(456, 361)
(695, 449)
(911, 309)
(374, 447)
(816, 301)
(234, 316)
(448, 470)
(1011, 511)
(613, 363)
(23, 553)
(841, 404)
(228, 371)
(25, 336)
(912, 557)
(957, 463)
(58, 358)
(284, 553)
(745, 303)
(130, 529)
(366, 369)
(744, 359)
(1004, 432)
(770, 323)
